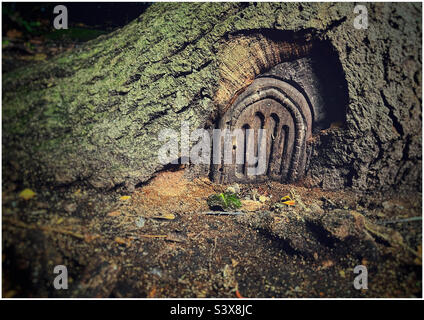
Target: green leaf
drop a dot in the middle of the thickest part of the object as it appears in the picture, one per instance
(224, 201)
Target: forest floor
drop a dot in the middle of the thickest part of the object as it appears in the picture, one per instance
(159, 242)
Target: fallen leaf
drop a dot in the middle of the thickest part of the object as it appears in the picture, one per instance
(152, 293)
(327, 264)
(114, 214)
(27, 194)
(289, 202)
(123, 198)
(238, 295)
(166, 216)
(122, 240)
(90, 237)
(285, 198)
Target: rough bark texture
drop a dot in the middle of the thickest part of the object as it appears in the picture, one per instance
(94, 114)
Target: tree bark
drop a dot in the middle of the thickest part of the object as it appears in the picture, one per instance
(93, 115)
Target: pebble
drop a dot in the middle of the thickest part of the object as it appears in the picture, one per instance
(140, 222)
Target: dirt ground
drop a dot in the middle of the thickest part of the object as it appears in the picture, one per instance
(159, 241)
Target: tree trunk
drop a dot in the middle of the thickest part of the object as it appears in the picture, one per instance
(93, 115)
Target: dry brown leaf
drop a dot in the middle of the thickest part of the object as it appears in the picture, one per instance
(90, 237)
(114, 213)
(122, 240)
(152, 292)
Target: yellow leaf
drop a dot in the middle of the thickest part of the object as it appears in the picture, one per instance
(285, 198)
(167, 216)
(27, 194)
(290, 202)
(123, 198)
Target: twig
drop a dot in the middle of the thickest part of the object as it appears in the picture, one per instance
(224, 213)
(153, 235)
(21, 224)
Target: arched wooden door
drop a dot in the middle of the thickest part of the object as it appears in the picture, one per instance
(281, 119)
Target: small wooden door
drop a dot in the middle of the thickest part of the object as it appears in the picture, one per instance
(276, 120)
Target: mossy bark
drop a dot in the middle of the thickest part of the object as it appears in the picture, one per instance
(94, 114)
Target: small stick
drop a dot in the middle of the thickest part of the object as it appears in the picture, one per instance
(224, 213)
(153, 235)
(45, 228)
